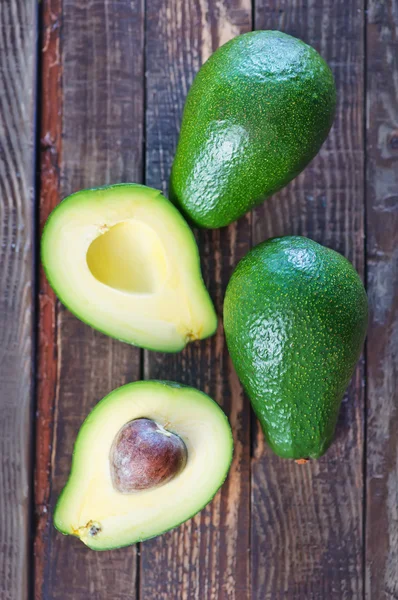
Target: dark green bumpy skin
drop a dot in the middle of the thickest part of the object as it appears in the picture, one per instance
(257, 113)
(295, 319)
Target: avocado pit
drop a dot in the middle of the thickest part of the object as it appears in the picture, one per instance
(144, 455)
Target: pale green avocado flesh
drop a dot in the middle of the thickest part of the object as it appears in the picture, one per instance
(93, 509)
(124, 260)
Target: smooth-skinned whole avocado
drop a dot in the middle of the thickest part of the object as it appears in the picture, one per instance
(257, 113)
(148, 457)
(124, 260)
(295, 319)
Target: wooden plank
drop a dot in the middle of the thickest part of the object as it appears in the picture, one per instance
(101, 57)
(207, 558)
(18, 57)
(50, 161)
(382, 274)
(307, 519)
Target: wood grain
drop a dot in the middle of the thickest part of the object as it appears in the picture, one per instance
(207, 557)
(382, 273)
(102, 98)
(17, 159)
(50, 160)
(307, 519)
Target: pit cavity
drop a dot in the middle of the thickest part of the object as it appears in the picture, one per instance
(129, 257)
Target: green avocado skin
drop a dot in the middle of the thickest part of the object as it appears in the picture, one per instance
(257, 113)
(295, 319)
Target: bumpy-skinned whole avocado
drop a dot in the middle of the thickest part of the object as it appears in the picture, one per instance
(257, 113)
(295, 318)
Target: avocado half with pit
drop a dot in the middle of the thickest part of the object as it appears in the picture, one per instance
(148, 457)
(123, 260)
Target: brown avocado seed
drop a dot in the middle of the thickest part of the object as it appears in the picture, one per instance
(144, 455)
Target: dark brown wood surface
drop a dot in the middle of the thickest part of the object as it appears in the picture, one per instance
(99, 105)
(209, 553)
(113, 77)
(307, 519)
(18, 26)
(46, 366)
(381, 525)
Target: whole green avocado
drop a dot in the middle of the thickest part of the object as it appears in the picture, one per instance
(295, 319)
(257, 113)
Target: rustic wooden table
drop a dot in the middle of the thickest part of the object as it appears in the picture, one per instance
(92, 92)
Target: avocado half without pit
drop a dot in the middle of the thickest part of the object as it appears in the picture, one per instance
(148, 457)
(124, 260)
